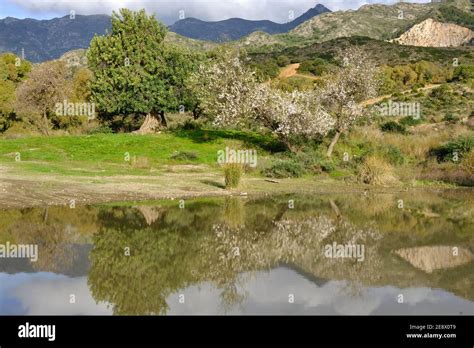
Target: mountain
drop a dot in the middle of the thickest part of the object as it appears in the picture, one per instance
(376, 21)
(42, 40)
(48, 39)
(431, 33)
(236, 28)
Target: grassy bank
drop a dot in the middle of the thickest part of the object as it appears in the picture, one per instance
(116, 154)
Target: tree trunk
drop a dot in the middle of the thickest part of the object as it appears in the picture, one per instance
(196, 113)
(163, 119)
(46, 124)
(151, 124)
(333, 143)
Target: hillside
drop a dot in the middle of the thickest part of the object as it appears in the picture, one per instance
(381, 51)
(49, 39)
(380, 22)
(375, 21)
(431, 33)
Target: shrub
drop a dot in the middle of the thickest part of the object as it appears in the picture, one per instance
(283, 61)
(464, 72)
(443, 94)
(190, 125)
(232, 174)
(393, 155)
(284, 169)
(184, 156)
(375, 171)
(393, 127)
(410, 121)
(100, 130)
(315, 67)
(460, 146)
(449, 117)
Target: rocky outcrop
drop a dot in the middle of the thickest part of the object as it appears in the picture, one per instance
(432, 258)
(431, 33)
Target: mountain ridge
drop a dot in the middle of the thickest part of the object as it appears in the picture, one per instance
(235, 28)
(42, 40)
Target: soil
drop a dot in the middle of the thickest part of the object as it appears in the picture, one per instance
(178, 182)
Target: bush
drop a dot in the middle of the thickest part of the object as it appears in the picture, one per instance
(464, 73)
(410, 121)
(100, 130)
(450, 118)
(232, 174)
(446, 152)
(284, 169)
(393, 155)
(184, 156)
(315, 67)
(393, 127)
(310, 161)
(375, 171)
(444, 94)
(283, 61)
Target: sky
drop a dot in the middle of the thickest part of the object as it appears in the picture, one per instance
(169, 11)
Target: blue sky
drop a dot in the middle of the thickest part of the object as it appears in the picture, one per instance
(170, 10)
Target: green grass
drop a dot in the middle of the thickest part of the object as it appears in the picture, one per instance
(104, 154)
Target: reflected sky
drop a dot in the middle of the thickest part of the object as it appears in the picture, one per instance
(263, 292)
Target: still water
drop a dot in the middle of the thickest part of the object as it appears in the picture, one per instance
(357, 254)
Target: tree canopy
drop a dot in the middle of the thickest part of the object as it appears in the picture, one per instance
(134, 72)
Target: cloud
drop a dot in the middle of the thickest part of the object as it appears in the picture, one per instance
(210, 10)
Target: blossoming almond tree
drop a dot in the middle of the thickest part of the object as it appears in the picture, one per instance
(346, 86)
(228, 92)
(287, 114)
(223, 86)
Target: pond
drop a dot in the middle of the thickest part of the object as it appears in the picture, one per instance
(409, 253)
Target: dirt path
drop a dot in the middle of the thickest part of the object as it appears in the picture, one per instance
(288, 71)
(292, 70)
(376, 100)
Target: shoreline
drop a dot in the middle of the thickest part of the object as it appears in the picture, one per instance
(29, 190)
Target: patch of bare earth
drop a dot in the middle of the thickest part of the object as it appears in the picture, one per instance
(20, 190)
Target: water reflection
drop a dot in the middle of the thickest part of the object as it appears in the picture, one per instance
(245, 256)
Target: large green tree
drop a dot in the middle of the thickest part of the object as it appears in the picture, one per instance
(133, 72)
